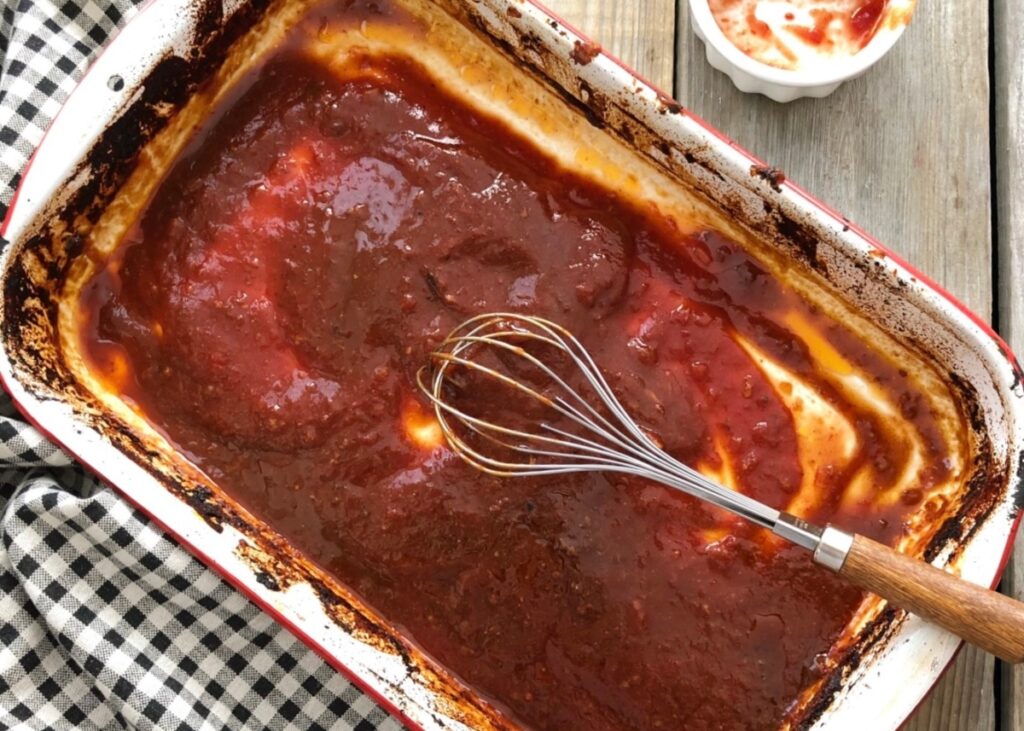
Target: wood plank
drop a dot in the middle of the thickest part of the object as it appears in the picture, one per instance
(1008, 27)
(904, 152)
(642, 34)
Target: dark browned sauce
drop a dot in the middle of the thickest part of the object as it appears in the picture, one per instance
(273, 303)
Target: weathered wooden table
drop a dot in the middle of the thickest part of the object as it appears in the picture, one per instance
(926, 152)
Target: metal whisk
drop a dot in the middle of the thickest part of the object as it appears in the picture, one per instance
(598, 434)
(613, 443)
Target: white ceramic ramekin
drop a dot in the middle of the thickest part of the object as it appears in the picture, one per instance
(784, 85)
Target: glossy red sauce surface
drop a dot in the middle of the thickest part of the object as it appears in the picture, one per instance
(270, 309)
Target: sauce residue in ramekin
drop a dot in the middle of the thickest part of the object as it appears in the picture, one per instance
(799, 34)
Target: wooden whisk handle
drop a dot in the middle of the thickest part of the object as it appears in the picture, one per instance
(985, 618)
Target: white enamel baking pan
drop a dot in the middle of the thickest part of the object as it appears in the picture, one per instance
(152, 68)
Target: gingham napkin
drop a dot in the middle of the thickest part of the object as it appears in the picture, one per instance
(105, 622)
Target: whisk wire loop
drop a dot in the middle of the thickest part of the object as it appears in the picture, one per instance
(608, 443)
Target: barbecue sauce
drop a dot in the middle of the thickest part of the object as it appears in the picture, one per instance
(273, 302)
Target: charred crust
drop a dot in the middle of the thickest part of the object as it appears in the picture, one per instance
(593, 104)
(950, 530)
(268, 581)
(349, 616)
(692, 159)
(975, 415)
(771, 175)
(203, 501)
(18, 288)
(209, 18)
(576, 103)
(978, 501)
(1011, 359)
(583, 52)
(73, 248)
(169, 85)
(668, 105)
(874, 634)
(798, 235)
(532, 42)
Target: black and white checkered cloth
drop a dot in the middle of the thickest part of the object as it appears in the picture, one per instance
(105, 622)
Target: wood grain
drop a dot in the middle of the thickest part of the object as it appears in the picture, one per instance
(640, 32)
(1008, 36)
(985, 618)
(904, 152)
